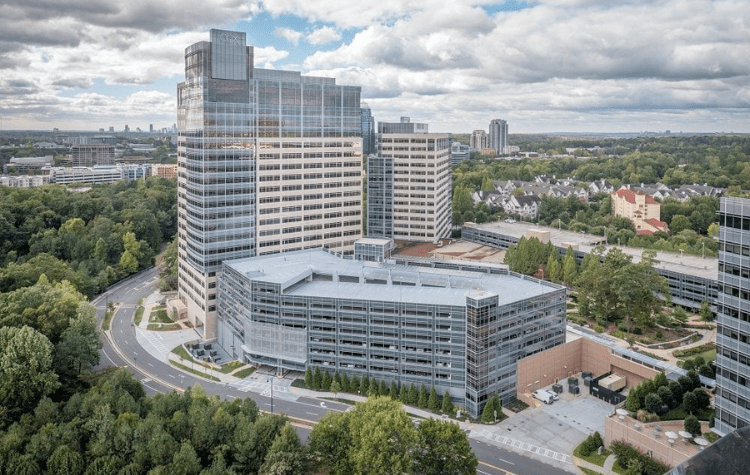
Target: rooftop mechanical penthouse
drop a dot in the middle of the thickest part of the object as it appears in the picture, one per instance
(460, 327)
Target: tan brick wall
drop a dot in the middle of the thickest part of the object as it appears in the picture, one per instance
(571, 358)
(644, 440)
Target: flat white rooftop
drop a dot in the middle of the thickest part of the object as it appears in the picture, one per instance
(706, 267)
(385, 282)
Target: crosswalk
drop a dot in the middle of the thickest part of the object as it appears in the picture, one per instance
(503, 440)
(155, 339)
(264, 388)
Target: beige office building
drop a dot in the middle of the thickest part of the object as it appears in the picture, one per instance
(409, 187)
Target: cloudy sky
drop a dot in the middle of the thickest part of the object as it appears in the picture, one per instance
(544, 65)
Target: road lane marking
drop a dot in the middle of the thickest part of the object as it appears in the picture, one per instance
(503, 460)
(312, 413)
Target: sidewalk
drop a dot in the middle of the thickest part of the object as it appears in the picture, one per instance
(605, 470)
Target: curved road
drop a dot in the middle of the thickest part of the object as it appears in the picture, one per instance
(123, 350)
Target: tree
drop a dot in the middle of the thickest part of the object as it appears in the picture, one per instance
(706, 371)
(653, 403)
(345, 383)
(570, 268)
(690, 402)
(393, 392)
(286, 455)
(705, 311)
(26, 373)
(354, 384)
(325, 384)
(527, 255)
(693, 425)
(679, 223)
(185, 462)
(422, 401)
(308, 377)
(413, 394)
(443, 448)
(128, 262)
(317, 378)
(433, 403)
(47, 308)
(403, 395)
(64, 461)
(677, 391)
(78, 349)
(666, 396)
(364, 385)
(335, 388)
(447, 406)
(554, 270)
(492, 411)
(633, 400)
(702, 398)
(375, 437)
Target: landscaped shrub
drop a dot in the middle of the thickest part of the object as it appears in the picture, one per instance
(634, 461)
(637, 331)
(692, 425)
(589, 446)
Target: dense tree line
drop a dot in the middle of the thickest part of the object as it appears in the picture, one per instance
(364, 386)
(91, 238)
(49, 342)
(114, 428)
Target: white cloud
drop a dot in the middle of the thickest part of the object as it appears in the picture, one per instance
(323, 35)
(288, 34)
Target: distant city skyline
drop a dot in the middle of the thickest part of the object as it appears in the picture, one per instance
(544, 66)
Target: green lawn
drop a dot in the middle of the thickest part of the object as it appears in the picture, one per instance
(193, 371)
(708, 355)
(159, 315)
(244, 373)
(231, 366)
(594, 458)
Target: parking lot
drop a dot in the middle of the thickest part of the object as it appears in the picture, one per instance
(550, 432)
(562, 425)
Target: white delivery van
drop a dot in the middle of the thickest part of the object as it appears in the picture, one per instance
(543, 395)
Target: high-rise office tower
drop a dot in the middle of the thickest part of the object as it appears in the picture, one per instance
(368, 130)
(479, 140)
(733, 317)
(269, 161)
(498, 135)
(409, 184)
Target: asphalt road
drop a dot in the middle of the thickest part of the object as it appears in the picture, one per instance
(160, 377)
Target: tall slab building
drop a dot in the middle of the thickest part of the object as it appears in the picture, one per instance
(409, 184)
(269, 161)
(733, 317)
(498, 135)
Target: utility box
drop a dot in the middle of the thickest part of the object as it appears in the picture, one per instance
(613, 382)
(557, 388)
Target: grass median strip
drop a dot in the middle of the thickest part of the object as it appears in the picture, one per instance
(194, 371)
(138, 315)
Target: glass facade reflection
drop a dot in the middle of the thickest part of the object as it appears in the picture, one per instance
(268, 161)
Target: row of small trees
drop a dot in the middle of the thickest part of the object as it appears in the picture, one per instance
(322, 380)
